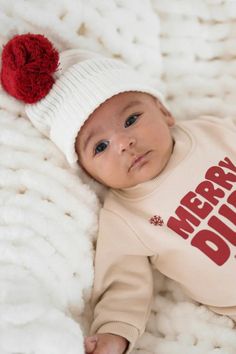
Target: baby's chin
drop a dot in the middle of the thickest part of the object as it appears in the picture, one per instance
(148, 171)
(133, 183)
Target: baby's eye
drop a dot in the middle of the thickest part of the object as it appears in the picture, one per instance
(101, 147)
(131, 120)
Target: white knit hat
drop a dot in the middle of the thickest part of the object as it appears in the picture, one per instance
(83, 82)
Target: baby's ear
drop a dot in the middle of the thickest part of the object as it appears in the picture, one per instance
(167, 114)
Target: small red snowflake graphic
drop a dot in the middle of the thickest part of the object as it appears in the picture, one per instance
(156, 220)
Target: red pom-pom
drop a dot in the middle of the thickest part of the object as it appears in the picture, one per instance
(28, 62)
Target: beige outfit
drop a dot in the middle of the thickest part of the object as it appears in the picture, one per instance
(181, 223)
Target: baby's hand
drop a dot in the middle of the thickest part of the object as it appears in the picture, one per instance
(105, 344)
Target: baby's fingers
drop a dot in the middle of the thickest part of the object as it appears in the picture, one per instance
(90, 344)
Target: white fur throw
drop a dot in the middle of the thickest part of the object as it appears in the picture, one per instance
(48, 216)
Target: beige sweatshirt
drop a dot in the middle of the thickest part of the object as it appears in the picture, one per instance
(181, 223)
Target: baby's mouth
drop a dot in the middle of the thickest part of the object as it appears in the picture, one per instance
(138, 160)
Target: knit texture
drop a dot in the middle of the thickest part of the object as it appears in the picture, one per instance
(28, 62)
(187, 49)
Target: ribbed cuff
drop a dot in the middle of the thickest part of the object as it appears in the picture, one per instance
(122, 329)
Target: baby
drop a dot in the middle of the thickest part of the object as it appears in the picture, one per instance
(171, 205)
(171, 201)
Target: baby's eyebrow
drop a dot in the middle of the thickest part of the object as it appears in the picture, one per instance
(89, 137)
(129, 105)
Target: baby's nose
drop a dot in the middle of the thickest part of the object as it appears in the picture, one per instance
(125, 142)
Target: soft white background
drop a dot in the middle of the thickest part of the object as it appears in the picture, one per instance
(48, 218)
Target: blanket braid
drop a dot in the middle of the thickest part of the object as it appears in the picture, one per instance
(47, 222)
(48, 217)
(199, 56)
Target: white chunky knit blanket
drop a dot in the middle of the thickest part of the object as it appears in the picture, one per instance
(48, 217)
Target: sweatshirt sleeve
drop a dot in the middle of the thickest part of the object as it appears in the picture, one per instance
(123, 284)
(229, 122)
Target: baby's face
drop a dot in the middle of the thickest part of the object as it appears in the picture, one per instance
(126, 140)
